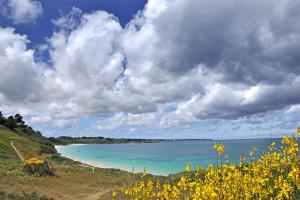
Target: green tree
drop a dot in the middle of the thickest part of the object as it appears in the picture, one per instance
(18, 119)
(10, 123)
(2, 119)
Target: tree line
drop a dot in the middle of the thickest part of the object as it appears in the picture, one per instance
(16, 121)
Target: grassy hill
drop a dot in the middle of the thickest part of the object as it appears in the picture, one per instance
(28, 145)
(72, 180)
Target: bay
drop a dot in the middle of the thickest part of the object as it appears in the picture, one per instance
(162, 158)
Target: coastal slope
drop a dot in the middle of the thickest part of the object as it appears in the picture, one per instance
(72, 180)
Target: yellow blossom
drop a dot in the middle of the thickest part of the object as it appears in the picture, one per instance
(188, 167)
(275, 175)
(219, 147)
(114, 194)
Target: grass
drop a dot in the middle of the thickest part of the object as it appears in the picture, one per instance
(70, 182)
(23, 196)
(24, 144)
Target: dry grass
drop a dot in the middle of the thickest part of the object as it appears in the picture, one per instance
(70, 182)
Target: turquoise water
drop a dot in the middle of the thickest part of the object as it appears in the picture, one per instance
(160, 158)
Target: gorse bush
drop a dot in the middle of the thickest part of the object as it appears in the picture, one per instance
(38, 166)
(275, 175)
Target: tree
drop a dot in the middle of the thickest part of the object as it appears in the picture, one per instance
(38, 133)
(23, 125)
(18, 118)
(2, 119)
(10, 123)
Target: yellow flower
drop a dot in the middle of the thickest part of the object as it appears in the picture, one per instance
(188, 167)
(144, 173)
(34, 160)
(275, 175)
(114, 194)
(252, 152)
(219, 147)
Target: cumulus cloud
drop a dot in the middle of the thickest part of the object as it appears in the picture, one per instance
(248, 41)
(209, 60)
(70, 20)
(21, 11)
(19, 80)
(244, 53)
(110, 124)
(121, 119)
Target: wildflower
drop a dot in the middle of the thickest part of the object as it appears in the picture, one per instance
(275, 175)
(114, 194)
(144, 173)
(34, 160)
(272, 147)
(252, 152)
(219, 147)
(188, 167)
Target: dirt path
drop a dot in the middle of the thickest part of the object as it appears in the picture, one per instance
(98, 195)
(88, 166)
(16, 150)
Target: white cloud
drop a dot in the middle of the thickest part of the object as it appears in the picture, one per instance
(70, 20)
(111, 123)
(120, 119)
(20, 75)
(21, 11)
(40, 119)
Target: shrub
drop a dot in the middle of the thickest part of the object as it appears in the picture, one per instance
(47, 150)
(10, 123)
(3, 150)
(275, 175)
(39, 167)
(3, 147)
(24, 196)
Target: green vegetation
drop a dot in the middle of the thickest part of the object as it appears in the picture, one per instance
(24, 196)
(65, 140)
(29, 146)
(28, 141)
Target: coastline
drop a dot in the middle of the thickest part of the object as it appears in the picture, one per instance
(93, 165)
(88, 163)
(62, 145)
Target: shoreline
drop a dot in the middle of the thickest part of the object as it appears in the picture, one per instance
(87, 163)
(62, 145)
(91, 165)
(84, 162)
(106, 166)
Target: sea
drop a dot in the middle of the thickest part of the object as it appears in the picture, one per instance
(166, 157)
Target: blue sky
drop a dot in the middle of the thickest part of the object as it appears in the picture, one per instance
(154, 69)
(43, 26)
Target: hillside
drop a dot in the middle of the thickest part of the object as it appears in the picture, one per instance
(72, 180)
(30, 145)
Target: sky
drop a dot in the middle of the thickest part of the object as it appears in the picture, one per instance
(152, 69)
